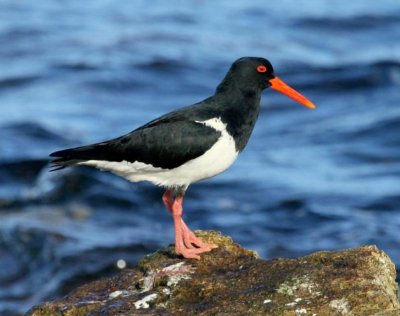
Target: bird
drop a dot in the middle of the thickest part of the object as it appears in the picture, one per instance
(189, 144)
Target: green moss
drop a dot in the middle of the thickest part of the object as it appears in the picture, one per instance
(231, 280)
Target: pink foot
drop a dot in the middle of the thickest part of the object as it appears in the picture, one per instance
(190, 240)
(186, 242)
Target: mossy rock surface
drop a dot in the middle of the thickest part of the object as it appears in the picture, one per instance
(231, 280)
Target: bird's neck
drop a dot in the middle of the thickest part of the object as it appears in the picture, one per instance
(239, 110)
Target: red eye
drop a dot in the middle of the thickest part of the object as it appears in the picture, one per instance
(262, 68)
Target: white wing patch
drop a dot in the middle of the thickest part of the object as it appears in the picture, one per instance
(215, 123)
(214, 161)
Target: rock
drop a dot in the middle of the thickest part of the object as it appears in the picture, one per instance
(231, 280)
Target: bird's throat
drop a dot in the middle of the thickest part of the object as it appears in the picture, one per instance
(240, 111)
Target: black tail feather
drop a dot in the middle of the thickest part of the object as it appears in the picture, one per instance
(55, 167)
(69, 157)
(61, 163)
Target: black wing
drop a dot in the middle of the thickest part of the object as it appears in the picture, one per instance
(167, 142)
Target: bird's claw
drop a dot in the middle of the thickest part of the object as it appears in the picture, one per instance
(191, 246)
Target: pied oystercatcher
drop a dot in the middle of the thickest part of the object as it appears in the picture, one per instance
(190, 144)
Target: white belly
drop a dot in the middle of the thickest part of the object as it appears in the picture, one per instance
(214, 161)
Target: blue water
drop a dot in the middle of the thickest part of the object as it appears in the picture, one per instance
(77, 72)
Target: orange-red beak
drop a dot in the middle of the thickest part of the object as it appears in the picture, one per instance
(278, 85)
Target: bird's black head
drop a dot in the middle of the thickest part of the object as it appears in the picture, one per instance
(252, 74)
(249, 73)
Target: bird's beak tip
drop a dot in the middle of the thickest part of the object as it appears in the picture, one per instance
(310, 105)
(278, 85)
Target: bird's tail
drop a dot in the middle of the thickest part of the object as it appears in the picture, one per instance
(71, 156)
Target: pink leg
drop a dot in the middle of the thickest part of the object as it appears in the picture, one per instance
(190, 238)
(186, 242)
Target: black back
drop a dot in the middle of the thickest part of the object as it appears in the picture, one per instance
(177, 137)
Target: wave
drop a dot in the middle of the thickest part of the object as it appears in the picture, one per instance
(349, 77)
(32, 130)
(18, 81)
(350, 23)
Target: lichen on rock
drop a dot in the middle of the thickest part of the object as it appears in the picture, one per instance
(231, 280)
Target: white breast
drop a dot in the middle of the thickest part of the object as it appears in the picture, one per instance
(214, 161)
